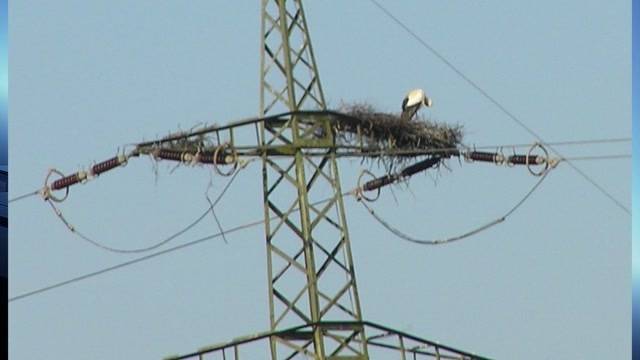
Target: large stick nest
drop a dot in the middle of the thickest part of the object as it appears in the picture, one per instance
(385, 136)
(395, 140)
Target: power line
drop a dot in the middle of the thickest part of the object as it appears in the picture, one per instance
(477, 230)
(596, 185)
(209, 129)
(592, 141)
(599, 157)
(131, 262)
(156, 254)
(251, 224)
(258, 222)
(158, 244)
(496, 103)
(457, 152)
(443, 150)
(27, 195)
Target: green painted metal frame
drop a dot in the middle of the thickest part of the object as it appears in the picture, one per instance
(309, 262)
(290, 81)
(385, 340)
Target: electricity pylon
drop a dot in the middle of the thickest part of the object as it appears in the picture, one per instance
(310, 267)
(314, 305)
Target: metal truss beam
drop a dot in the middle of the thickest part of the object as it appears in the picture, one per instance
(311, 275)
(383, 342)
(314, 305)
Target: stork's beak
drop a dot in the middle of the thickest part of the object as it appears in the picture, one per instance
(428, 102)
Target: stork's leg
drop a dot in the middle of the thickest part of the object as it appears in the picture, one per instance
(414, 111)
(409, 113)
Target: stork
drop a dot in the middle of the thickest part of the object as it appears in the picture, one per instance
(412, 102)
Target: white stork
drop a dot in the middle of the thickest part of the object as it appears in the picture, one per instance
(412, 102)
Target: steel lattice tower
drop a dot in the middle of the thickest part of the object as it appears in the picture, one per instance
(310, 267)
(314, 305)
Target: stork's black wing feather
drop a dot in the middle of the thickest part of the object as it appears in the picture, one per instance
(404, 103)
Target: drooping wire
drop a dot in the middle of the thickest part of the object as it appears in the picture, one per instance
(27, 195)
(156, 254)
(477, 230)
(156, 245)
(245, 226)
(236, 229)
(259, 222)
(497, 104)
(213, 210)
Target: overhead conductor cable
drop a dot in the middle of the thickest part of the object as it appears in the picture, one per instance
(527, 160)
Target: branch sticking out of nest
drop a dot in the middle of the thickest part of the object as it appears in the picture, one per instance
(394, 137)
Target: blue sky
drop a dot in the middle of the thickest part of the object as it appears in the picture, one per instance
(89, 77)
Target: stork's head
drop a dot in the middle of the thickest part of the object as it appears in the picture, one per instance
(427, 101)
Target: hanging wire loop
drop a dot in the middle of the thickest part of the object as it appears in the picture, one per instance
(538, 160)
(47, 190)
(400, 234)
(360, 190)
(228, 159)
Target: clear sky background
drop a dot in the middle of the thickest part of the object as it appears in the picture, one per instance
(551, 282)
